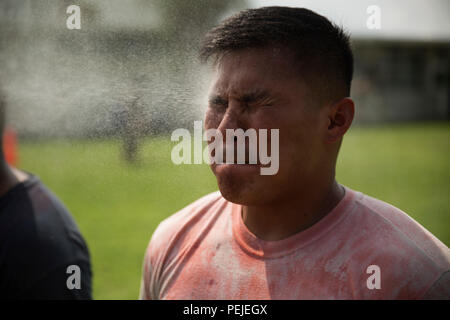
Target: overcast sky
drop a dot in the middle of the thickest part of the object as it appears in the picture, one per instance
(412, 19)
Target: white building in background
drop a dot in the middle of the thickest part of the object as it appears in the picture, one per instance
(401, 80)
(402, 70)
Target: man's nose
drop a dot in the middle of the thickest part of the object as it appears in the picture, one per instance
(234, 118)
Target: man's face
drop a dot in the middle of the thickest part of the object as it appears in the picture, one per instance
(261, 89)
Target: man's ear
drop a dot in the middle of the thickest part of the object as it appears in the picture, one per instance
(340, 117)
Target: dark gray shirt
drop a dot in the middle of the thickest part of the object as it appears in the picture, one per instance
(39, 240)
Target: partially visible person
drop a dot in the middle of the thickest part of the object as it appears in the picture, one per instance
(39, 240)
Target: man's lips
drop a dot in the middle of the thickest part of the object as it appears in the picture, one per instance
(224, 169)
(235, 158)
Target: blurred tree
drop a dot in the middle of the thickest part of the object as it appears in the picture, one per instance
(184, 22)
(132, 129)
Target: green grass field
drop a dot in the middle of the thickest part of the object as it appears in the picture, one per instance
(118, 206)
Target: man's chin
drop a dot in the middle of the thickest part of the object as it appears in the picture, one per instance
(241, 171)
(235, 196)
(239, 183)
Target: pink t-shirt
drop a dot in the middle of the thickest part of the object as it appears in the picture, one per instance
(363, 249)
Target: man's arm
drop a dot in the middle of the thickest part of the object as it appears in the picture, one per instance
(440, 290)
(54, 286)
(144, 292)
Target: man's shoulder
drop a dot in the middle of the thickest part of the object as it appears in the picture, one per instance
(395, 235)
(183, 221)
(37, 227)
(404, 228)
(386, 218)
(55, 225)
(409, 257)
(193, 210)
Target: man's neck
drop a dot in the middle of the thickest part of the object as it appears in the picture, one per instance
(284, 219)
(9, 177)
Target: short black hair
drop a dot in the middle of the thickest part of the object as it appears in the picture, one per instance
(2, 113)
(2, 122)
(319, 46)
